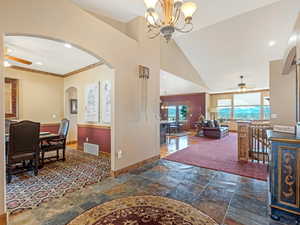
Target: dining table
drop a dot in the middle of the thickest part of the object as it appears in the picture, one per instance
(44, 136)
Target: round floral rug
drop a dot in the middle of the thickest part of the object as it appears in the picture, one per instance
(143, 210)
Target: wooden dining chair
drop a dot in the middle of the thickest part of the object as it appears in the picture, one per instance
(23, 146)
(57, 143)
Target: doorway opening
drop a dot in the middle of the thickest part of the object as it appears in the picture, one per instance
(53, 80)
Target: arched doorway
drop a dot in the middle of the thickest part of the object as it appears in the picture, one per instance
(62, 94)
(71, 113)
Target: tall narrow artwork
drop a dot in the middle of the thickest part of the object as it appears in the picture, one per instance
(92, 105)
(106, 103)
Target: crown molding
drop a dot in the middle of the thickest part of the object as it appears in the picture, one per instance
(89, 67)
(35, 71)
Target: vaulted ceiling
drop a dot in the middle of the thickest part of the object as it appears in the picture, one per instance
(209, 11)
(231, 38)
(171, 84)
(242, 45)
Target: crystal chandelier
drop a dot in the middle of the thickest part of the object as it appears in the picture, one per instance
(167, 16)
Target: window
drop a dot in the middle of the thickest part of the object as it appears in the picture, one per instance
(247, 99)
(224, 108)
(224, 102)
(247, 113)
(172, 113)
(183, 110)
(247, 106)
(224, 113)
(177, 112)
(243, 106)
(267, 112)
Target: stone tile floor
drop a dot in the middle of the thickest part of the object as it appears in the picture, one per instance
(227, 198)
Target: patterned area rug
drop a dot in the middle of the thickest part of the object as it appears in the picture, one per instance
(143, 210)
(56, 179)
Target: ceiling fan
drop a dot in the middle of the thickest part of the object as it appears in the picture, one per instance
(15, 59)
(243, 86)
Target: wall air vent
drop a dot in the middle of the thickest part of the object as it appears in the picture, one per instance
(91, 148)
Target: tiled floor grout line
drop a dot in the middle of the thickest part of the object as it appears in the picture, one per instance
(228, 208)
(202, 183)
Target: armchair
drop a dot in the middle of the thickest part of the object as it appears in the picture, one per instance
(58, 143)
(213, 129)
(23, 146)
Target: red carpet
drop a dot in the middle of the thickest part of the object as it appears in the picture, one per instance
(219, 155)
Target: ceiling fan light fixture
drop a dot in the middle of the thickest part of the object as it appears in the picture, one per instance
(242, 85)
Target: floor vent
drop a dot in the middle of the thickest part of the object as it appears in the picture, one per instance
(91, 148)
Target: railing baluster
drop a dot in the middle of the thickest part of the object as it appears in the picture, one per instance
(259, 146)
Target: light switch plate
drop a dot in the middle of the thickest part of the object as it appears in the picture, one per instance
(120, 154)
(274, 116)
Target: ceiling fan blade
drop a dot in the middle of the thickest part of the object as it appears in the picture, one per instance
(19, 60)
(250, 86)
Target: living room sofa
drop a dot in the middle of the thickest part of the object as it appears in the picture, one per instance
(213, 129)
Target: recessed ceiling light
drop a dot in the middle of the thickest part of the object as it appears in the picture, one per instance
(272, 43)
(293, 38)
(67, 45)
(9, 50)
(6, 64)
(39, 63)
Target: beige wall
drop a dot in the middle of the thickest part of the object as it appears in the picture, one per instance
(40, 96)
(134, 133)
(297, 32)
(79, 82)
(282, 95)
(59, 19)
(114, 23)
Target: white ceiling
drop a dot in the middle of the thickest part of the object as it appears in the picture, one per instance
(209, 11)
(171, 85)
(54, 56)
(230, 37)
(240, 46)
